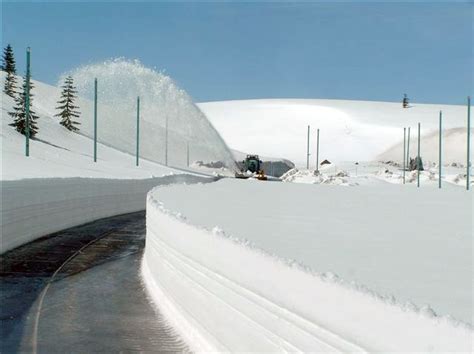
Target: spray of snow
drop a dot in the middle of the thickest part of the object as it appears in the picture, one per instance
(170, 122)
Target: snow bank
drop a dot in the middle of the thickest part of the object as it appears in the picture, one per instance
(411, 243)
(223, 295)
(32, 208)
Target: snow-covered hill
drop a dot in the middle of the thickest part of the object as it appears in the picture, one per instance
(349, 130)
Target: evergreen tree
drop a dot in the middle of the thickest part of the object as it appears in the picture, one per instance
(8, 66)
(66, 106)
(19, 113)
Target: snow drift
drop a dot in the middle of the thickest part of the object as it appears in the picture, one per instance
(223, 295)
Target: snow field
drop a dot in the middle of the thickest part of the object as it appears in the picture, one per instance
(349, 130)
(222, 294)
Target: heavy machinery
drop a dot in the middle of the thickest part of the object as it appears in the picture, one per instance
(251, 167)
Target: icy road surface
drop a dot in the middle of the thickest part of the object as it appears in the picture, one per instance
(80, 291)
(414, 244)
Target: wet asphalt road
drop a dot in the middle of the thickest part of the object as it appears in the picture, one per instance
(80, 291)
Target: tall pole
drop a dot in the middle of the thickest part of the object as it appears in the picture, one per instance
(166, 141)
(138, 131)
(404, 152)
(408, 148)
(27, 103)
(468, 141)
(440, 162)
(95, 120)
(418, 162)
(317, 150)
(307, 151)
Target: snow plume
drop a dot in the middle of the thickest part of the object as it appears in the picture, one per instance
(163, 104)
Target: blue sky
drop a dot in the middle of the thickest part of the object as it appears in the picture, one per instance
(219, 51)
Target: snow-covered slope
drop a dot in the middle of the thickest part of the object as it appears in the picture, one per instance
(58, 152)
(349, 130)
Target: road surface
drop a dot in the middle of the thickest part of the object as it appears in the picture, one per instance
(79, 290)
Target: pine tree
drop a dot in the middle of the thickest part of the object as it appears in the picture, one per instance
(66, 106)
(8, 66)
(19, 112)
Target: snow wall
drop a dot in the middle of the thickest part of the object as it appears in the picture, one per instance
(222, 295)
(170, 123)
(32, 208)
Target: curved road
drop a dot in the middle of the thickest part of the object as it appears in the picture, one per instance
(80, 290)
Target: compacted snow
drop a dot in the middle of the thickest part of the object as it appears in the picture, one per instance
(251, 265)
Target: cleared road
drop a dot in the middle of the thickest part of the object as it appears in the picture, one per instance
(79, 290)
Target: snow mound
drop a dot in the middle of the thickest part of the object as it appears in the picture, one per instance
(339, 178)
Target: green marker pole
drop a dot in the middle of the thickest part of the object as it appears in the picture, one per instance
(404, 152)
(317, 150)
(138, 131)
(95, 120)
(418, 159)
(468, 142)
(27, 103)
(440, 147)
